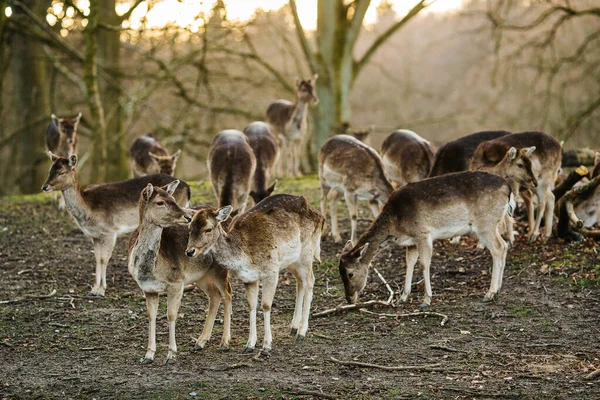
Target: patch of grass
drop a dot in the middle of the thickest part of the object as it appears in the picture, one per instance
(10, 202)
(523, 311)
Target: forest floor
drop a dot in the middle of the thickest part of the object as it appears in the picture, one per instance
(538, 339)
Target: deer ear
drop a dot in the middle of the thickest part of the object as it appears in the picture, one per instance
(77, 118)
(315, 77)
(529, 151)
(147, 192)
(53, 157)
(153, 156)
(512, 153)
(73, 160)
(347, 247)
(271, 188)
(54, 119)
(171, 187)
(175, 156)
(363, 251)
(224, 213)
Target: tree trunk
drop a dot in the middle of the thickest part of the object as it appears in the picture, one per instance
(324, 113)
(577, 157)
(31, 101)
(90, 73)
(109, 57)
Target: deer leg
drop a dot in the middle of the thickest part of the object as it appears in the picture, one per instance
(174, 295)
(252, 299)
(269, 286)
(214, 300)
(425, 249)
(296, 150)
(225, 290)
(374, 207)
(542, 195)
(351, 200)
(498, 248)
(152, 308)
(412, 255)
(299, 299)
(333, 210)
(549, 214)
(103, 248)
(309, 283)
(324, 193)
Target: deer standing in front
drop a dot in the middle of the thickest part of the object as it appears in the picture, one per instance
(148, 156)
(288, 123)
(157, 262)
(103, 211)
(350, 167)
(231, 166)
(406, 156)
(436, 208)
(266, 151)
(280, 232)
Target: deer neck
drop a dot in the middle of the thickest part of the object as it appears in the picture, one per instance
(299, 113)
(144, 254)
(229, 253)
(375, 235)
(75, 203)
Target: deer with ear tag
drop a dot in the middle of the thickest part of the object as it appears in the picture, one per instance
(157, 262)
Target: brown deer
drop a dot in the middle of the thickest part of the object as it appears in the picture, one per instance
(456, 156)
(350, 167)
(288, 122)
(157, 262)
(61, 139)
(266, 151)
(546, 162)
(406, 156)
(148, 156)
(587, 207)
(435, 208)
(103, 211)
(280, 232)
(231, 166)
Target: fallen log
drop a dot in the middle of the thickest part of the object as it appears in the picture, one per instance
(575, 157)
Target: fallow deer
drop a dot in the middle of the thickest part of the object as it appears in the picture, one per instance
(288, 122)
(157, 262)
(231, 166)
(103, 211)
(282, 231)
(350, 167)
(61, 139)
(455, 156)
(587, 207)
(406, 156)
(546, 162)
(435, 208)
(148, 156)
(266, 151)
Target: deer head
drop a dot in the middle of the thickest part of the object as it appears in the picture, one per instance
(205, 229)
(67, 127)
(260, 194)
(305, 89)
(62, 174)
(166, 163)
(159, 207)
(354, 269)
(516, 166)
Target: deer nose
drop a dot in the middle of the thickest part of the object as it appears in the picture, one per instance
(187, 218)
(190, 252)
(45, 188)
(534, 183)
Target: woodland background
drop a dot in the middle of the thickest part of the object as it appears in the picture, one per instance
(491, 64)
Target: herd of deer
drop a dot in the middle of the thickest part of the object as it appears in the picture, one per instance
(469, 185)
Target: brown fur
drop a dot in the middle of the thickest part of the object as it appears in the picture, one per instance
(266, 151)
(406, 157)
(148, 156)
(61, 135)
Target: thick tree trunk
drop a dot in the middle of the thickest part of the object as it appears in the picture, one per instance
(90, 73)
(324, 113)
(31, 101)
(109, 57)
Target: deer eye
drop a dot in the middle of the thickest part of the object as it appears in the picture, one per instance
(351, 275)
(209, 230)
(160, 203)
(520, 166)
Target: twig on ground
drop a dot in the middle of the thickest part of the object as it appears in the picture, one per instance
(593, 375)
(226, 367)
(350, 307)
(29, 297)
(424, 367)
(389, 300)
(413, 314)
(543, 345)
(445, 348)
(314, 393)
(322, 336)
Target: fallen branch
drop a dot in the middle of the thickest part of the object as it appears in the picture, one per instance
(389, 300)
(577, 223)
(424, 367)
(303, 392)
(226, 367)
(593, 375)
(594, 234)
(29, 297)
(413, 314)
(445, 348)
(350, 307)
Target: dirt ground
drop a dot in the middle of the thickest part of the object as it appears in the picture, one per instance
(539, 339)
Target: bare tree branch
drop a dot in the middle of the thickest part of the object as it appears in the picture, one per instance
(306, 47)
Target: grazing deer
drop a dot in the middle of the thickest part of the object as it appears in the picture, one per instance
(231, 165)
(282, 231)
(350, 167)
(546, 161)
(431, 209)
(61, 139)
(587, 206)
(266, 151)
(157, 262)
(406, 156)
(288, 123)
(103, 211)
(148, 156)
(456, 156)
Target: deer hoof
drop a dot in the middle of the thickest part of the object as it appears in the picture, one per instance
(294, 332)
(248, 349)
(197, 348)
(224, 347)
(146, 361)
(424, 307)
(170, 361)
(300, 337)
(264, 353)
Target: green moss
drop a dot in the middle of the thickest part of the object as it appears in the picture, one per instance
(523, 311)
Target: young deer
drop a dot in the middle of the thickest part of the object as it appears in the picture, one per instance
(282, 231)
(456, 156)
(61, 139)
(350, 167)
(148, 156)
(288, 123)
(546, 161)
(103, 211)
(431, 209)
(406, 156)
(231, 165)
(266, 151)
(157, 262)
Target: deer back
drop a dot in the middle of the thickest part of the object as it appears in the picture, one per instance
(140, 150)
(407, 157)
(266, 151)
(278, 115)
